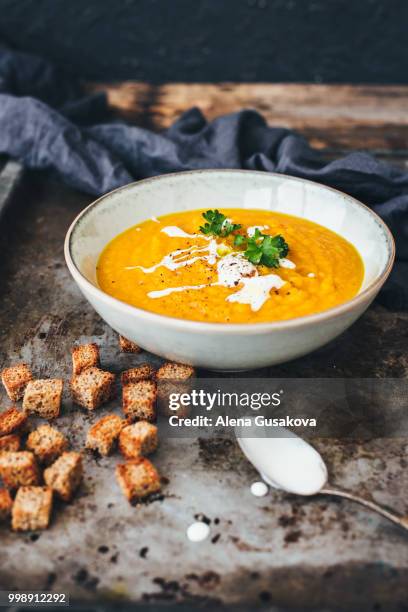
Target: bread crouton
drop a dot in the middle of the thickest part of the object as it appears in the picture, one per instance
(84, 356)
(31, 509)
(139, 399)
(92, 388)
(6, 503)
(138, 439)
(103, 434)
(15, 379)
(11, 420)
(43, 397)
(137, 479)
(47, 443)
(127, 346)
(65, 475)
(141, 372)
(19, 469)
(175, 371)
(173, 378)
(9, 443)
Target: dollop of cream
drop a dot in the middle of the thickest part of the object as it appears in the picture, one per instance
(256, 290)
(233, 268)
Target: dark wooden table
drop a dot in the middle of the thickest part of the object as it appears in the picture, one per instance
(276, 551)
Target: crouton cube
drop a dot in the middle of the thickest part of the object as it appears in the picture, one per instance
(9, 443)
(31, 509)
(127, 346)
(138, 439)
(175, 371)
(141, 372)
(84, 356)
(19, 469)
(92, 388)
(6, 503)
(15, 379)
(139, 399)
(173, 378)
(47, 443)
(43, 397)
(137, 479)
(65, 475)
(103, 434)
(11, 420)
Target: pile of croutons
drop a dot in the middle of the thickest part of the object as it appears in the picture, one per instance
(46, 468)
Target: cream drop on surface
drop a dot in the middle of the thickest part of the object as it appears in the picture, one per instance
(259, 489)
(198, 531)
(288, 462)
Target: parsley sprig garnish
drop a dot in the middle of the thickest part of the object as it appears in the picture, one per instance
(262, 249)
(218, 224)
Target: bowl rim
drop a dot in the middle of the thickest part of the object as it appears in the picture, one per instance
(228, 328)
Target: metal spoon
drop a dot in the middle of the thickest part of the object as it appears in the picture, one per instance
(401, 521)
(289, 463)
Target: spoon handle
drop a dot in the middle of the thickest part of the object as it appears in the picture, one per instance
(401, 521)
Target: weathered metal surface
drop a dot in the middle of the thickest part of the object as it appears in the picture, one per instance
(277, 550)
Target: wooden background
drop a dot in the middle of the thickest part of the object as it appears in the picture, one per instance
(338, 118)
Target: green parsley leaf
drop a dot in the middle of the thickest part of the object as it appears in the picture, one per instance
(262, 249)
(217, 224)
(239, 240)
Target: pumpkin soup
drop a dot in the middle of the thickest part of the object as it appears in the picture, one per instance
(230, 266)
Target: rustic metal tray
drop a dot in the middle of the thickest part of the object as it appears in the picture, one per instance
(276, 551)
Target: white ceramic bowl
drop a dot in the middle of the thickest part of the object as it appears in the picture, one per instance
(215, 345)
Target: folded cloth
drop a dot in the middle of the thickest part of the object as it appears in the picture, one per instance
(46, 124)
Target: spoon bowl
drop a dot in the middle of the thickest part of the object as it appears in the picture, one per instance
(289, 463)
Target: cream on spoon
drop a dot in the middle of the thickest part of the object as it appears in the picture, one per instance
(287, 462)
(291, 464)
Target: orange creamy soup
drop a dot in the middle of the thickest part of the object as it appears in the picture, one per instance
(255, 266)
